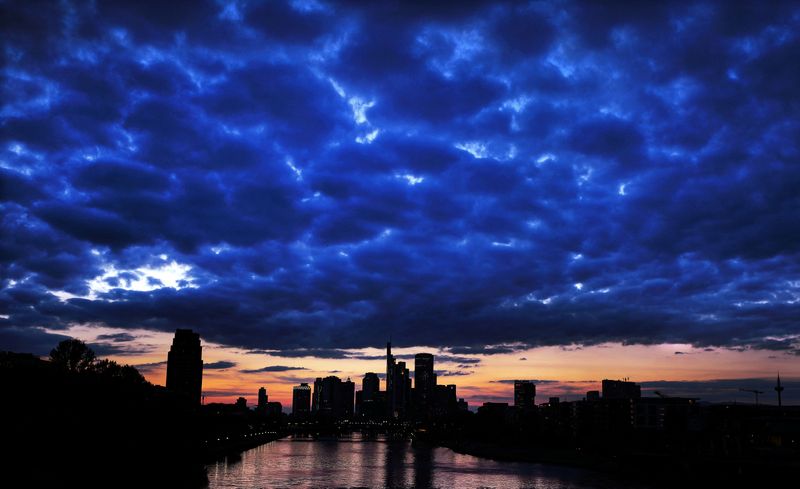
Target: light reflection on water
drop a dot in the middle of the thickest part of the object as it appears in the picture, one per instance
(380, 463)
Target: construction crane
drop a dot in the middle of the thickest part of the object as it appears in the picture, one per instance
(659, 394)
(753, 391)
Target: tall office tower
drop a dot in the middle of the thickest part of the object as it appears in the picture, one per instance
(371, 404)
(344, 399)
(401, 390)
(301, 399)
(315, 395)
(262, 401)
(424, 385)
(524, 394)
(185, 365)
(370, 386)
(390, 387)
(336, 397)
(621, 389)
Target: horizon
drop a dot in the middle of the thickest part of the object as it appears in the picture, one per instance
(556, 191)
(231, 379)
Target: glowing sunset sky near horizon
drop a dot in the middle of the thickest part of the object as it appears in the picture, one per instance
(560, 190)
(566, 372)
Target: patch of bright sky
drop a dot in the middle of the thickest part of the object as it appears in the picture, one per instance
(369, 137)
(410, 179)
(510, 244)
(585, 175)
(297, 171)
(171, 274)
(544, 158)
(359, 107)
(476, 149)
(480, 150)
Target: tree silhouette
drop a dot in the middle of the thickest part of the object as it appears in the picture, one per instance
(72, 355)
(125, 373)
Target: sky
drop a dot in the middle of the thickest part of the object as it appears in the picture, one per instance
(560, 191)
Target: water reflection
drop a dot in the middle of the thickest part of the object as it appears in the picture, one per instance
(379, 463)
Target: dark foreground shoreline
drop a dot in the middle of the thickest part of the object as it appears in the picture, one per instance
(652, 469)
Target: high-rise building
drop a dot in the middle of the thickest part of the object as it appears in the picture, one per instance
(401, 387)
(370, 386)
(524, 394)
(185, 365)
(301, 399)
(390, 388)
(262, 401)
(335, 397)
(398, 386)
(315, 394)
(621, 389)
(344, 399)
(369, 400)
(424, 385)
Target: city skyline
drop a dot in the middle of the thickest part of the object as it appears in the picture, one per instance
(510, 391)
(562, 191)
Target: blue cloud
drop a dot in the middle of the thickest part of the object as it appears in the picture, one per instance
(332, 173)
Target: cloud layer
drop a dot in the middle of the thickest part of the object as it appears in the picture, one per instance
(311, 175)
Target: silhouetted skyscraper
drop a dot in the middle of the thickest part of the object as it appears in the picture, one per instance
(301, 399)
(262, 400)
(398, 385)
(369, 401)
(315, 395)
(390, 389)
(524, 394)
(370, 386)
(424, 384)
(344, 401)
(401, 388)
(185, 365)
(335, 397)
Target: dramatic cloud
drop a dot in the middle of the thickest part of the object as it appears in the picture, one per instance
(220, 365)
(309, 177)
(272, 368)
(535, 381)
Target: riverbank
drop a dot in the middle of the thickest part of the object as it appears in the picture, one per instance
(652, 469)
(233, 446)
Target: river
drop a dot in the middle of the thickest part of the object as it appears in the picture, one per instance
(380, 463)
